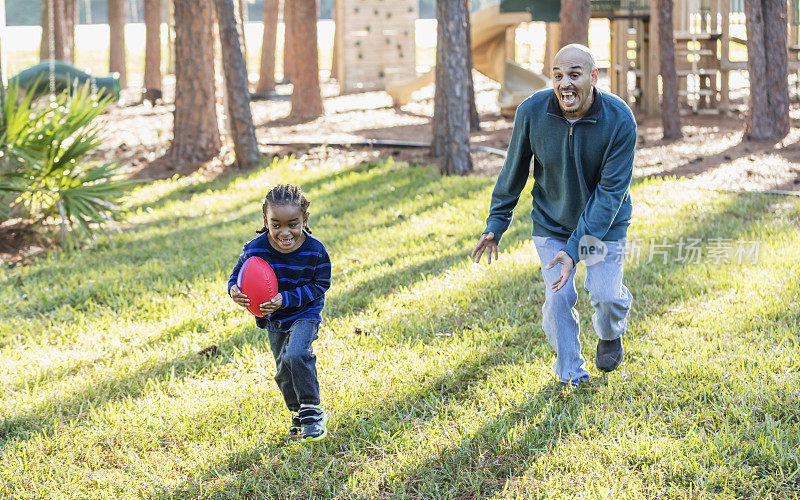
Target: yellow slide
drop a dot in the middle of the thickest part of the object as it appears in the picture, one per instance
(488, 56)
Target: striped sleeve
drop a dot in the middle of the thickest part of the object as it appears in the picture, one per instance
(314, 289)
(235, 274)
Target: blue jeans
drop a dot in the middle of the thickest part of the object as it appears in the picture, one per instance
(610, 298)
(296, 363)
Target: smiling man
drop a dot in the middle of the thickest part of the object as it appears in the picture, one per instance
(581, 143)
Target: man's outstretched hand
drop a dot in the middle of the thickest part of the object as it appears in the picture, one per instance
(488, 244)
(567, 266)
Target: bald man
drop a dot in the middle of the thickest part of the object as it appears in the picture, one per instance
(582, 143)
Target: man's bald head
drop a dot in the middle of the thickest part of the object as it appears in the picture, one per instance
(576, 51)
(574, 77)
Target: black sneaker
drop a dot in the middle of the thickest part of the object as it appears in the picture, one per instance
(609, 354)
(313, 423)
(295, 429)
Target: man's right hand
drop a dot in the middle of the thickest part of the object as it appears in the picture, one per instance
(487, 244)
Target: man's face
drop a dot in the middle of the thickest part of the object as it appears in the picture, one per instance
(573, 80)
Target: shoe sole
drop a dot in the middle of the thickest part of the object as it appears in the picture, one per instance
(609, 369)
(315, 438)
(321, 436)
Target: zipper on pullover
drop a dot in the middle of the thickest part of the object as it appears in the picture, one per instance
(571, 147)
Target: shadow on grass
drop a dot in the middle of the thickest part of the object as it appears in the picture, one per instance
(546, 419)
(179, 252)
(740, 215)
(366, 431)
(75, 407)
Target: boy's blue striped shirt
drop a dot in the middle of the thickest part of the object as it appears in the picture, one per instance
(304, 276)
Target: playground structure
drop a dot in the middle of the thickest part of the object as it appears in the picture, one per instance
(702, 34)
(373, 43)
(704, 31)
(489, 28)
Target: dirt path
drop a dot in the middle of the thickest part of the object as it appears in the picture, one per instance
(710, 155)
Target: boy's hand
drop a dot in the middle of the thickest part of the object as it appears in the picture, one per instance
(238, 297)
(273, 305)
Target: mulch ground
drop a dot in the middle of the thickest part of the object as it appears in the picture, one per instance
(711, 155)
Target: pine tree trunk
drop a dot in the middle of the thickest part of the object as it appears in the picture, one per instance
(776, 43)
(574, 19)
(306, 93)
(288, 39)
(670, 107)
(170, 66)
(116, 26)
(451, 106)
(64, 15)
(768, 114)
(195, 129)
(241, 20)
(266, 77)
(474, 118)
(240, 119)
(152, 49)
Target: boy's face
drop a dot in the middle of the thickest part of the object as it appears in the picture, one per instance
(285, 226)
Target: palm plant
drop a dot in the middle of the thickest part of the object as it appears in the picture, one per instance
(44, 175)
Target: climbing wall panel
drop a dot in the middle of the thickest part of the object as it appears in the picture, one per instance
(374, 43)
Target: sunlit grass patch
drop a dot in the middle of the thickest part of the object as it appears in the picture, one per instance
(435, 370)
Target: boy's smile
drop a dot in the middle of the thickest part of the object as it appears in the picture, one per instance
(285, 224)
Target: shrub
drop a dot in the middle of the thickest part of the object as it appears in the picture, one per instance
(45, 177)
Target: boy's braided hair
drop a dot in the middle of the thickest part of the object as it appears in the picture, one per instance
(286, 194)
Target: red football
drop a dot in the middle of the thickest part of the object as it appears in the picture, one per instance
(257, 280)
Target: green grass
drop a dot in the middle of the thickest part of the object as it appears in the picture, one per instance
(435, 370)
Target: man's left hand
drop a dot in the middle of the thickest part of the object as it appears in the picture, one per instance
(567, 265)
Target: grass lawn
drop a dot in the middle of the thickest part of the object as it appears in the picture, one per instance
(435, 370)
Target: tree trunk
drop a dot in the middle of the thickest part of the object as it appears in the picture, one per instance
(266, 77)
(116, 26)
(451, 106)
(241, 20)
(63, 14)
(306, 94)
(768, 114)
(152, 50)
(170, 66)
(474, 118)
(776, 43)
(195, 129)
(574, 19)
(240, 119)
(670, 107)
(288, 39)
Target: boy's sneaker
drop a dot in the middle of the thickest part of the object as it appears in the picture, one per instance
(312, 423)
(295, 429)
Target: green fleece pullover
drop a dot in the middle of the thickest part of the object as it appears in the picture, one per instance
(582, 171)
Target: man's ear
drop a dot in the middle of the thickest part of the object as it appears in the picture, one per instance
(595, 74)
